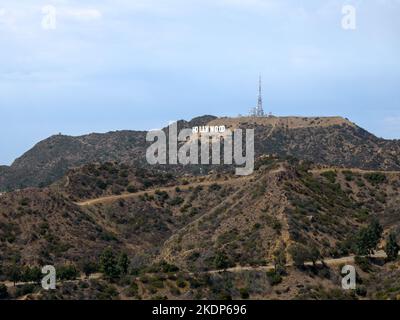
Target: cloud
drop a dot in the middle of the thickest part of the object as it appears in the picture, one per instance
(306, 57)
(265, 5)
(81, 14)
(393, 121)
(389, 127)
(9, 19)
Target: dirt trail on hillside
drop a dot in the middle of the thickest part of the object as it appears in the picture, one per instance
(94, 276)
(355, 170)
(113, 198)
(227, 200)
(329, 262)
(152, 191)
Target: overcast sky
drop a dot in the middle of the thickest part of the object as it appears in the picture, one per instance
(137, 64)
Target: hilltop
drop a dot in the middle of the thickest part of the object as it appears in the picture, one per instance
(51, 158)
(283, 122)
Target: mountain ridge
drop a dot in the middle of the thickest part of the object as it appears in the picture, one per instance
(323, 140)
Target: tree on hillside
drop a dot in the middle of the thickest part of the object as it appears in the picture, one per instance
(89, 267)
(123, 263)
(392, 248)
(67, 272)
(3, 292)
(14, 273)
(279, 260)
(300, 254)
(377, 230)
(108, 264)
(363, 242)
(33, 274)
(368, 238)
(221, 261)
(315, 254)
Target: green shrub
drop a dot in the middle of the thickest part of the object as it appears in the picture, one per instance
(392, 248)
(25, 289)
(89, 267)
(181, 283)
(107, 293)
(214, 187)
(162, 195)
(108, 264)
(131, 189)
(274, 278)
(330, 176)
(361, 291)
(33, 274)
(363, 263)
(176, 201)
(101, 184)
(348, 175)
(299, 253)
(156, 283)
(67, 272)
(163, 267)
(244, 293)
(221, 261)
(367, 239)
(3, 292)
(133, 290)
(375, 177)
(24, 202)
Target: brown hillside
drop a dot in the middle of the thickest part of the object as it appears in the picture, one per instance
(331, 141)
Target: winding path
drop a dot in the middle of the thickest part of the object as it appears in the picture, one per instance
(113, 198)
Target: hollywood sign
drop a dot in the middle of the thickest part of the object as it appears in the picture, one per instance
(209, 129)
(209, 137)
